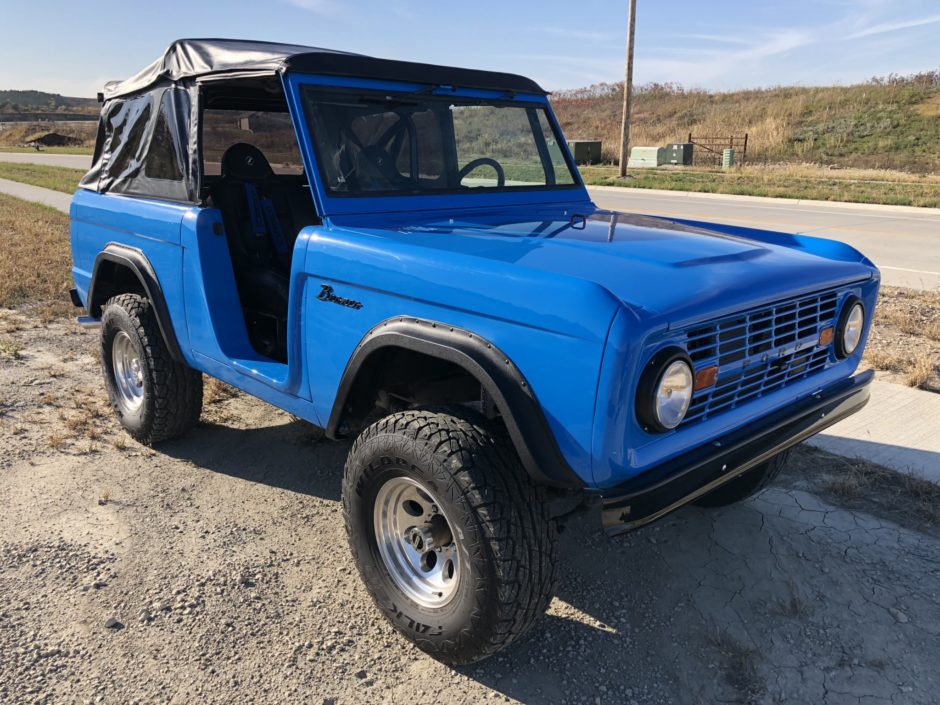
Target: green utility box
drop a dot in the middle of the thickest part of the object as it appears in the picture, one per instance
(680, 153)
(727, 158)
(646, 157)
(585, 151)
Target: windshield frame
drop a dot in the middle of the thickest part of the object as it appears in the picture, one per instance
(336, 202)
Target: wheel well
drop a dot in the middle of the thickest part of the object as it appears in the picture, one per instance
(120, 269)
(111, 279)
(393, 378)
(404, 362)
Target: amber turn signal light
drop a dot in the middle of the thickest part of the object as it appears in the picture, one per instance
(826, 335)
(706, 377)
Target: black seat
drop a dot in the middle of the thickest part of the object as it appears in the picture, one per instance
(262, 213)
(244, 195)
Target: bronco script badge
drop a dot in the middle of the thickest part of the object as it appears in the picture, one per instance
(326, 294)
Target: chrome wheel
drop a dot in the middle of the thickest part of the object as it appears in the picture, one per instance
(416, 543)
(128, 374)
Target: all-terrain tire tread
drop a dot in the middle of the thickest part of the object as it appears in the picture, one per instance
(176, 389)
(513, 511)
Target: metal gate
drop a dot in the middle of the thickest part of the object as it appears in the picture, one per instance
(707, 151)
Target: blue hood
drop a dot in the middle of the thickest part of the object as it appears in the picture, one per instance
(653, 265)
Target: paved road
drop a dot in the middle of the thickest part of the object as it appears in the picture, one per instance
(73, 161)
(904, 243)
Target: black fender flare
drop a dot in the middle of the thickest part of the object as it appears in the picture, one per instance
(522, 414)
(100, 290)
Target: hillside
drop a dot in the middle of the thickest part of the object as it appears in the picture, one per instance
(891, 123)
(39, 101)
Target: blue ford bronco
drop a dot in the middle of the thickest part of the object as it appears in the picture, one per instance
(405, 255)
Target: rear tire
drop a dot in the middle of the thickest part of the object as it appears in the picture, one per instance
(154, 397)
(443, 479)
(749, 484)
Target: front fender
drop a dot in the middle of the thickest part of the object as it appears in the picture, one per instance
(491, 367)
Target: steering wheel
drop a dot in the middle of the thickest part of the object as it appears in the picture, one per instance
(483, 161)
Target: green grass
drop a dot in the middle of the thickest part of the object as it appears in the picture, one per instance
(807, 182)
(49, 150)
(57, 178)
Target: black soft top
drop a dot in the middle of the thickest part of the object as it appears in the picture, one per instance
(194, 58)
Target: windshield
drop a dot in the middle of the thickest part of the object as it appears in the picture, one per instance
(391, 144)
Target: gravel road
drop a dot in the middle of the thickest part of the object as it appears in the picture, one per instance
(215, 570)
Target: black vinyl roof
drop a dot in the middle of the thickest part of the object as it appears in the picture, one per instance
(193, 58)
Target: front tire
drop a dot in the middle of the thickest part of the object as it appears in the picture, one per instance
(452, 539)
(154, 397)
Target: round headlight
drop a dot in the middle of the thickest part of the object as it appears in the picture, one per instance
(665, 390)
(674, 394)
(849, 330)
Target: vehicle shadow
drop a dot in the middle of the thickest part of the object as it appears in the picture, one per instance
(770, 600)
(766, 601)
(625, 625)
(287, 456)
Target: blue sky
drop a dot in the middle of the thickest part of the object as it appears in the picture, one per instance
(73, 48)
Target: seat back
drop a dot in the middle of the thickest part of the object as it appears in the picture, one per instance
(262, 212)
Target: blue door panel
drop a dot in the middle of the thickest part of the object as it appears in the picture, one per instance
(218, 335)
(213, 310)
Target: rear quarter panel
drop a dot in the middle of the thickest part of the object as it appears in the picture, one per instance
(151, 226)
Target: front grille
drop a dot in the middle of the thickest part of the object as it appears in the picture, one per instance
(759, 351)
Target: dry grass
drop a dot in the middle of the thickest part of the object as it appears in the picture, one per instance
(10, 348)
(215, 391)
(34, 256)
(904, 340)
(883, 124)
(920, 371)
(57, 440)
(82, 415)
(854, 482)
(886, 360)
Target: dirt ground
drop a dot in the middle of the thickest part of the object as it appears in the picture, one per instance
(221, 565)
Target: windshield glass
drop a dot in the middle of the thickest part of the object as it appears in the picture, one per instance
(390, 144)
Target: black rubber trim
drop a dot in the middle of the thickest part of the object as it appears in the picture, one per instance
(843, 319)
(504, 383)
(76, 300)
(677, 482)
(136, 261)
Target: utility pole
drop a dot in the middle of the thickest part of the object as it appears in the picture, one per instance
(627, 91)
